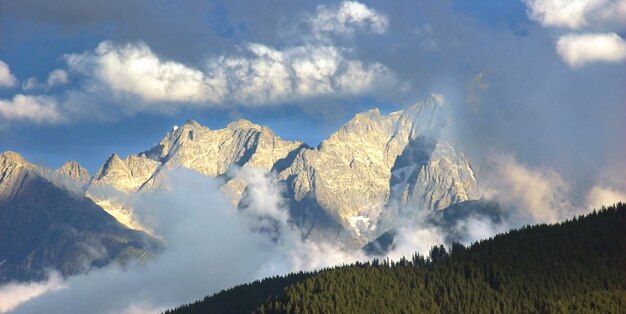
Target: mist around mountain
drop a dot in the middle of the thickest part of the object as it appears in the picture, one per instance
(375, 170)
(45, 225)
(222, 207)
(576, 266)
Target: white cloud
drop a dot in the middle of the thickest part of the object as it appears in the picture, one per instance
(6, 78)
(575, 14)
(263, 75)
(580, 49)
(39, 109)
(600, 196)
(16, 293)
(57, 77)
(346, 18)
(415, 237)
(539, 195)
(135, 69)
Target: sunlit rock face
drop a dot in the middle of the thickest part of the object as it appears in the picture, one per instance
(213, 153)
(45, 223)
(75, 171)
(353, 187)
(377, 167)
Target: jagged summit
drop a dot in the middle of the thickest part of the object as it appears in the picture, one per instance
(10, 157)
(243, 124)
(358, 182)
(193, 123)
(74, 170)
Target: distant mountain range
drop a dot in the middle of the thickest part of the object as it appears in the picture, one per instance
(358, 184)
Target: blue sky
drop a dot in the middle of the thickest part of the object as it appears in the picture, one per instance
(542, 82)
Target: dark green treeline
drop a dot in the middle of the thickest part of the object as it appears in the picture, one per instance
(578, 266)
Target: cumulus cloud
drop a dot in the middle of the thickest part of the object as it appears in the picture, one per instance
(261, 75)
(37, 109)
(600, 196)
(575, 14)
(537, 195)
(7, 79)
(57, 77)
(346, 18)
(134, 68)
(581, 49)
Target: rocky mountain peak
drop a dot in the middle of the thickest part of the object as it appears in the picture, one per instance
(112, 164)
(243, 124)
(12, 173)
(11, 158)
(74, 170)
(193, 123)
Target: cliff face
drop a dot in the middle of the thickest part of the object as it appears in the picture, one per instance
(44, 226)
(377, 167)
(355, 185)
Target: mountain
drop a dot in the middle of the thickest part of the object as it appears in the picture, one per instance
(575, 266)
(47, 223)
(375, 170)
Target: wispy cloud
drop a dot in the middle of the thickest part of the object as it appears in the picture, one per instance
(57, 77)
(16, 293)
(539, 195)
(600, 196)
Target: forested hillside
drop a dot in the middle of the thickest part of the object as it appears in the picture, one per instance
(574, 266)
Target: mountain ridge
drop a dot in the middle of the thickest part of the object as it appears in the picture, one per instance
(358, 181)
(45, 224)
(374, 171)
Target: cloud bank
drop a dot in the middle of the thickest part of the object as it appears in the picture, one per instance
(209, 246)
(262, 75)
